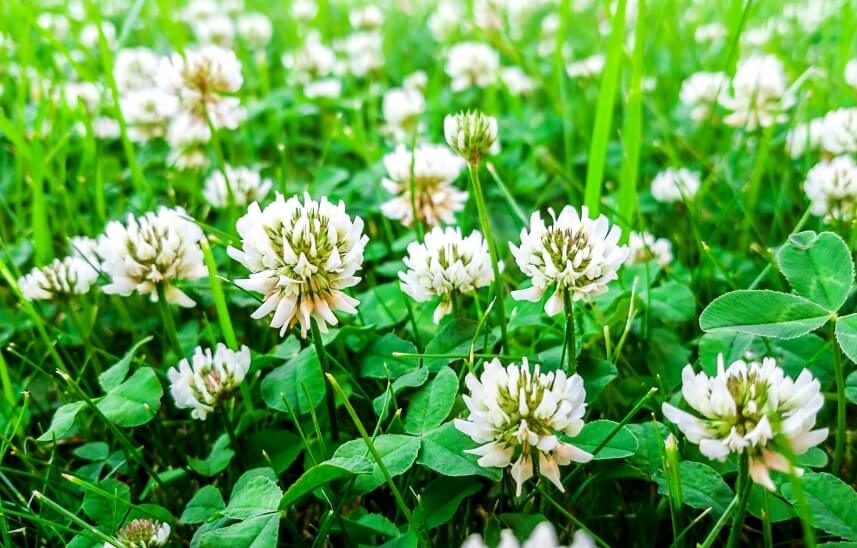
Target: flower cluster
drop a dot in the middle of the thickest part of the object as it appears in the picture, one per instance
(471, 134)
(543, 536)
(517, 413)
(701, 92)
(472, 64)
(158, 248)
(751, 408)
(643, 247)
(245, 185)
(141, 533)
(675, 185)
(208, 378)
(301, 257)
(445, 265)
(831, 186)
(435, 197)
(61, 278)
(577, 255)
(759, 93)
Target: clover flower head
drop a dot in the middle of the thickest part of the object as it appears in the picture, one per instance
(363, 52)
(314, 60)
(436, 198)
(208, 378)
(831, 186)
(366, 18)
(588, 67)
(301, 257)
(304, 10)
(325, 88)
(136, 69)
(256, 29)
(675, 185)
(218, 30)
(751, 408)
(851, 73)
(445, 265)
(517, 81)
(246, 185)
(839, 131)
(472, 64)
(701, 91)
(575, 254)
(517, 413)
(445, 20)
(89, 35)
(759, 94)
(156, 248)
(402, 108)
(643, 247)
(147, 112)
(805, 137)
(543, 536)
(61, 278)
(142, 533)
(471, 134)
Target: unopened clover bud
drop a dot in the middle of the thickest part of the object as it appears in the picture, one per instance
(471, 134)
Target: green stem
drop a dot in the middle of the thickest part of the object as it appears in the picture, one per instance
(492, 249)
(839, 372)
(742, 488)
(570, 342)
(720, 524)
(325, 366)
(412, 183)
(169, 324)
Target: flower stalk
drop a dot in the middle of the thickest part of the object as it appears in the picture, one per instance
(168, 322)
(325, 366)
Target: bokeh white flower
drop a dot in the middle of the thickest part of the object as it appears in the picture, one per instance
(675, 185)
(839, 131)
(701, 91)
(759, 95)
(446, 265)
(588, 67)
(804, 137)
(517, 81)
(472, 64)
(201, 383)
(831, 186)
(574, 254)
(542, 536)
(518, 414)
(57, 280)
(402, 108)
(643, 247)
(245, 184)
(301, 257)
(752, 408)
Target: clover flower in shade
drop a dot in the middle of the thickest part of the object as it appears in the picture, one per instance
(759, 94)
(516, 412)
(61, 278)
(644, 247)
(141, 533)
(700, 93)
(472, 64)
(471, 134)
(804, 137)
(436, 199)
(839, 131)
(208, 378)
(851, 73)
(751, 408)
(156, 248)
(675, 185)
(445, 265)
(301, 257)
(517, 81)
(542, 536)
(136, 69)
(201, 80)
(246, 184)
(831, 186)
(402, 108)
(256, 29)
(575, 254)
(588, 67)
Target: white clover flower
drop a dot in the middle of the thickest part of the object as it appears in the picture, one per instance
(312, 61)
(543, 536)
(105, 127)
(851, 73)
(256, 29)
(446, 265)
(301, 256)
(245, 183)
(759, 96)
(750, 408)
(831, 186)
(675, 185)
(472, 64)
(517, 81)
(207, 379)
(576, 254)
(364, 52)
(61, 278)
(136, 69)
(757, 37)
(200, 80)
(326, 88)
(218, 30)
(804, 137)
(197, 10)
(839, 131)
(589, 67)
(516, 413)
(446, 19)
(416, 81)
(700, 93)
(435, 167)
(188, 156)
(471, 134)
(84, 94)
(366, 18)
(157, 248)
(147, 112)
(141, 533)
(644, 247)
(86, 248)
(402, 108)
(89, 35)
(54, 24)
(304, 10)
(711, 32)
